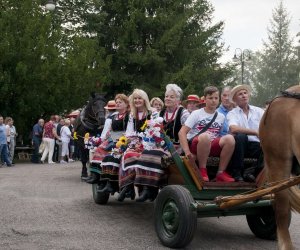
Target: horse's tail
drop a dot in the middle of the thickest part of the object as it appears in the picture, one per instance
(294, 197)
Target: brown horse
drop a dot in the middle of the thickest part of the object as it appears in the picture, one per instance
(280, 139)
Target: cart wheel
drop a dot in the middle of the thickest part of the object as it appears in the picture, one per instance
(175, 221)
(99, 197)
(264, 226)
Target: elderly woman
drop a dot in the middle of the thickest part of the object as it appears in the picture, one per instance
(114, 127)
(149, 175)
(144, 169)
(174, 114)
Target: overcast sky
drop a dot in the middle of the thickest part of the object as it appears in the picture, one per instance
(246, 22)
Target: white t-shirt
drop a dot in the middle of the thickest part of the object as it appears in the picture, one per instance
(65, 134)
(198, 120)
(238, 117)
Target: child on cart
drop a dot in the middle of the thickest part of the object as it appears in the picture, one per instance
(200, 137)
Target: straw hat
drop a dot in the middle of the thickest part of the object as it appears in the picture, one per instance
(111, 105)
(192, 98)
(237, 89)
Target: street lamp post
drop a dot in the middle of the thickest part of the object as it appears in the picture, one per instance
(241, 56)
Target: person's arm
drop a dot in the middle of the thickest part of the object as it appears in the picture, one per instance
(69, 133)
(7, 134)
(234, 129)
(55, 134)
(130, 127)
(106, 129)
(184, 142)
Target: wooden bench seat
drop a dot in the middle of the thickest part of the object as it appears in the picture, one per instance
(175, 177)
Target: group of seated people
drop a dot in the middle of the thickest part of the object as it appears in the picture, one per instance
(228, 131)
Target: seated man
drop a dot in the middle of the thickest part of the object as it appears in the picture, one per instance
(200, 136)
(243, 122)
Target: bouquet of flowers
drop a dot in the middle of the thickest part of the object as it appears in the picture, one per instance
(153, 135)
(91, 142)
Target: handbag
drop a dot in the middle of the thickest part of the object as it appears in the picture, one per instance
(42, 147)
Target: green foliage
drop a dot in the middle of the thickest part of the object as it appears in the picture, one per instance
(43, 69)
(275, 68)
(50, 62)
(151, 43)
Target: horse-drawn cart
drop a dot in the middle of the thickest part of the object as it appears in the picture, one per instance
(186, 197)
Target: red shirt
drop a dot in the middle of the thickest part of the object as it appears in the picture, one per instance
(48, 130)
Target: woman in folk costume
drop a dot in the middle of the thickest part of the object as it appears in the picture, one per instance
(114, 127)
(174, 115)
(149, 175)
(140, 112)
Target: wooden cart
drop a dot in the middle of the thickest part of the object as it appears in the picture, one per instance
(187, 197)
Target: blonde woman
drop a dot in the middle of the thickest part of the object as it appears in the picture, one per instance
(157, 104)
(141, 111)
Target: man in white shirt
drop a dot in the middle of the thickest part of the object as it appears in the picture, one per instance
(200, 136)
(243, 122)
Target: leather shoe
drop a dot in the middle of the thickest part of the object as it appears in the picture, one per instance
(238, 178)
(108, 188)
(147, 193)
(94, 178)
(125, 191)
(249, 178)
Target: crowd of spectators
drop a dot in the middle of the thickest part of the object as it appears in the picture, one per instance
(53, 141)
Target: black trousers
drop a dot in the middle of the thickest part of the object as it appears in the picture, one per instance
(245, 149)
(35, 158)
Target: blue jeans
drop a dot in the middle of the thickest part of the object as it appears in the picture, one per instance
(4, 154)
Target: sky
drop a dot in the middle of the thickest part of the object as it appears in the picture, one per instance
(246, 22)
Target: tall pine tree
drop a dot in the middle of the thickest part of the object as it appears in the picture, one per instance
(276, 65)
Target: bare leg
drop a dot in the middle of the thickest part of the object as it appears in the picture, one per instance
(227, 143)
(203, 149)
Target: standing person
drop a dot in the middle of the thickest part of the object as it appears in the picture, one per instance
(8, 122)
(225, 106)
(49, 135)
(3, 143)
(157, 104)
(200, 136)
(58, 143)
(192, 103)
(13, 135)
(243, 122)
(65, 135)
(72, 144)
(37, 134)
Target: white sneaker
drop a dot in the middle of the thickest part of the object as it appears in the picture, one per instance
(71, 160)
(51, 162)
(63, 162)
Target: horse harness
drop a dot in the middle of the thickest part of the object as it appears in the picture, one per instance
(284, 93)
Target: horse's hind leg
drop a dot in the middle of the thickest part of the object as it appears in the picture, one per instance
(278, 169)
